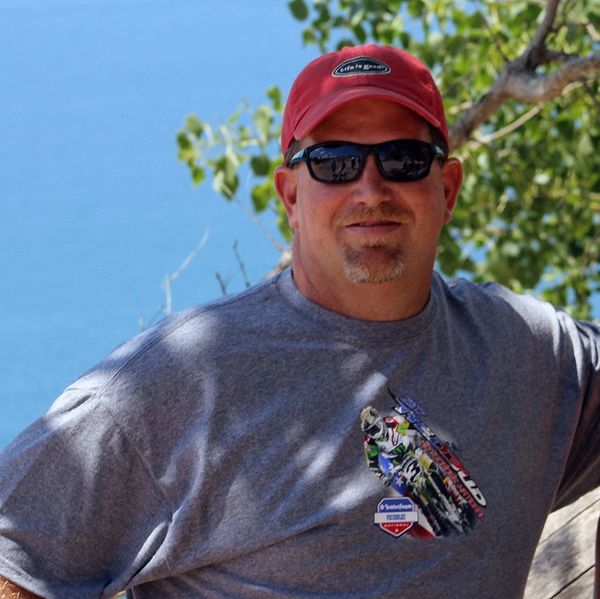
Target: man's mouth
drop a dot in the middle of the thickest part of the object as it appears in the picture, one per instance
(375, 223)
(382, 219)
(374, 227)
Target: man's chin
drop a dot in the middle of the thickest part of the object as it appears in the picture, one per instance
(373, 266)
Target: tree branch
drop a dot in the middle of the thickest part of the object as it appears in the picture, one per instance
(478, 114)
(222, 283)
(519, 81)
(241, 264)
(532, 89)
(486, 139)
(532, 56)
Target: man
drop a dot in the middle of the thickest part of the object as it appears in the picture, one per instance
(220, 454)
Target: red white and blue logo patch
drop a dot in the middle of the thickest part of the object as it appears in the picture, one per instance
(396, 515)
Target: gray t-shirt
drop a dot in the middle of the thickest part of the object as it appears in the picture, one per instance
(262, 446)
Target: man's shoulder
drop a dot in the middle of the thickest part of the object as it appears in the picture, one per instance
(155, 385)
(488, 295)
(495, 306)
(185, 338)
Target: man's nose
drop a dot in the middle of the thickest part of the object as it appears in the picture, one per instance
(371, 188)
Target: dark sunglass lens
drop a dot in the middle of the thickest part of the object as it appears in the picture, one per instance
(339, 163)
(405, 160)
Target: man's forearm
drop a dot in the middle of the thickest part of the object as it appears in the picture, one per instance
(9, 590)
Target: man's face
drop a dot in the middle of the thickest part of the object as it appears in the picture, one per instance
(371, 231)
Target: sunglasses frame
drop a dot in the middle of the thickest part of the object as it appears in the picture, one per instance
(304, 156)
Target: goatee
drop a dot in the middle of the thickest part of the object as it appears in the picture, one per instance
(377, 263)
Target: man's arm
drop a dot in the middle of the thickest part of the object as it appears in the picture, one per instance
(9, 590)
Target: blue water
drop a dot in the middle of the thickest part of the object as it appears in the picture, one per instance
(95, 208)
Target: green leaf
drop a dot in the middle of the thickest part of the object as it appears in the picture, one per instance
(263, 119)
(357, 18)
(298, 9)
(360, 33)
(225, 178)
(274, 94)
(405, 39)
(198, 174)
(183, 141)
(309, 37)
(475, 21)
(510, 249)
(416, 8)
(261, 195)
(260, 165)
(344, 43)
(188, 155)
(194, 126)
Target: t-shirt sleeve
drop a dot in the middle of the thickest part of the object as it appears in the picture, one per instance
(80, 512)
(582, 470)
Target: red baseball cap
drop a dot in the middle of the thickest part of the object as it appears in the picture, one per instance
(357, 72)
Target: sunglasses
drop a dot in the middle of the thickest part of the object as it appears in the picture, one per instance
(344, 161)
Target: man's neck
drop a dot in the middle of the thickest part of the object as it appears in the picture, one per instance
(395, 300)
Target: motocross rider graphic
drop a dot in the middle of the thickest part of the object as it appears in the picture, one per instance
(400, 455)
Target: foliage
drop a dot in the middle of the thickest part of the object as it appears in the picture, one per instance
(529, 213)
(250, 136)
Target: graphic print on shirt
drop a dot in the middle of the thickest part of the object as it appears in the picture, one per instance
(432, 494)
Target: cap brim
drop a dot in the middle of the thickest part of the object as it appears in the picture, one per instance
(327, 105)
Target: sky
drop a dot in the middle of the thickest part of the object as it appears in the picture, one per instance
(95, 207)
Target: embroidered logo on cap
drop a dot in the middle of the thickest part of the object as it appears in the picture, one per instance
(361, 65)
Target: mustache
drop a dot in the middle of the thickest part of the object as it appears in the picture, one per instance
(382, 212)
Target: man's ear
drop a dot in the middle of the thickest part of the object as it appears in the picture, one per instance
(452, 176)
(286, 184)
